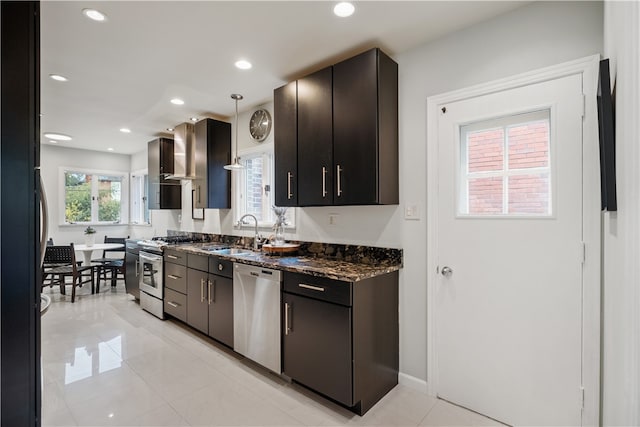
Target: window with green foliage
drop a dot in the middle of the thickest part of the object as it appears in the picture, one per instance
(94, 197)
(253, 188)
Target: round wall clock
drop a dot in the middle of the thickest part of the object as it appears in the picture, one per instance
(260, 125)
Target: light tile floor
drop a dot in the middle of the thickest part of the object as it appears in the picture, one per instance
(107, 362)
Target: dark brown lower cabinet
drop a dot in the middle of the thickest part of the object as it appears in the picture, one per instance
(221, 309)
(340, 339)
(317, 346)
(210, 297)
(197, 306)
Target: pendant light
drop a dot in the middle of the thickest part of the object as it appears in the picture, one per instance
(235, 165)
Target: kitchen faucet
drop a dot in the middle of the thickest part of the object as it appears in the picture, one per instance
(256, 237)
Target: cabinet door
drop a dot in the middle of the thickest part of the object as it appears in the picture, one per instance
(315, 139)
(163, 193)
(131, 282)
(355, 113)
(218, 155)
(199, 185)
(220, 292)
(285, 119)
(317, 346)
(197, 309)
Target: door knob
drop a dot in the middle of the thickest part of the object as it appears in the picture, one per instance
(446, 271)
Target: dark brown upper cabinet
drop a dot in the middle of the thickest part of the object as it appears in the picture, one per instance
(365, 130)
(285, 115)
(315, 139)
(338, 129)
(163, 193)
(212, 186)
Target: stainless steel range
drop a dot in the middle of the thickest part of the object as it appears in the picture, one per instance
(151, 276)
(150, 272)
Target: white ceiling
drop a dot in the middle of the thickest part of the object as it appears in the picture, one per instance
(123, 72)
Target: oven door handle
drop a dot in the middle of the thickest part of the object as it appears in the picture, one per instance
(150, 257)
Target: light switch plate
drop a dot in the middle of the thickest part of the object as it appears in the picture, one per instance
(333, 219)
(411, 212)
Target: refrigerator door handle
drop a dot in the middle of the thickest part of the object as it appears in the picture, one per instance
(45, 219)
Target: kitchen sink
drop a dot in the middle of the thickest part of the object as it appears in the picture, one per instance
(233, 251)
(214, 248)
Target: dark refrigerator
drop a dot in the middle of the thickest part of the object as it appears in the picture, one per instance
(20, 214)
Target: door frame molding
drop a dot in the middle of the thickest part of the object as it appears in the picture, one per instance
(591, 225)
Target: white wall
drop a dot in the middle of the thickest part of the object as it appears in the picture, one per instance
(534, 36)
(621, 229)
(54, 157)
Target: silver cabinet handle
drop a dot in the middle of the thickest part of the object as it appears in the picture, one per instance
(289, 193)
(287, 329)
(211, 294)
(137, 268)
(339, 173)
(173, 304)
(313, 288)
(446, 271)
(201, 290)
(324, 182)
(172, 257)
(171, 276)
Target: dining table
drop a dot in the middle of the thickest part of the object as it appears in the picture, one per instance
(87, 251)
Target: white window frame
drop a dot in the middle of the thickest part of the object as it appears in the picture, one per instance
(137, 203)
(504, 123)
(124, 198)
(268, 178)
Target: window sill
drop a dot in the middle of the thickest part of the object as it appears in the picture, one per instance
(95, 224)
(265, 226)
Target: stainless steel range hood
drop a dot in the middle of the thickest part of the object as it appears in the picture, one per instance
(184, 151)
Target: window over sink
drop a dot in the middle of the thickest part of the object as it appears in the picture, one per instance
(253, 188)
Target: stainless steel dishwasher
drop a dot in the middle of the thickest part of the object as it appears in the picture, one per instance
(256, 314)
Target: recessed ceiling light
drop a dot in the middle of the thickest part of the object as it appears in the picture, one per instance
(125, 130)
(194, 119)
(344, 9)
(109, 149)
(94, 14)
(243, 64)
(177, 101)
(57, 136)
(170, 129)
(58, 77)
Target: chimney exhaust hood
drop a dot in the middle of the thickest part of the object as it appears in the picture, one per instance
(184, 146)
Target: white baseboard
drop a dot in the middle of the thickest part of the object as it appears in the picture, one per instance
(413, 382)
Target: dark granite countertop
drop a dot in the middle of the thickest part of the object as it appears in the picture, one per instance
(315, 266)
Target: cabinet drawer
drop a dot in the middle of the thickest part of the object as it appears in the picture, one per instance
(221, 267)
(175, 277)
(330, 290)
(199, 262)
(176, 257)
(175, 304)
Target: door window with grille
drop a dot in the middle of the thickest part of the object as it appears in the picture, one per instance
(505, 166)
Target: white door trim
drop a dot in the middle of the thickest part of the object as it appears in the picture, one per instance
(591, 225)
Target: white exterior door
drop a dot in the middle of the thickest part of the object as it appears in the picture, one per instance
(508, 299)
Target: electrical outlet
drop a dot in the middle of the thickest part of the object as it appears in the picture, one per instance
(333, 219)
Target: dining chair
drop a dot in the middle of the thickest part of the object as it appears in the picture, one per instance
(60, 262)
(113, 265)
